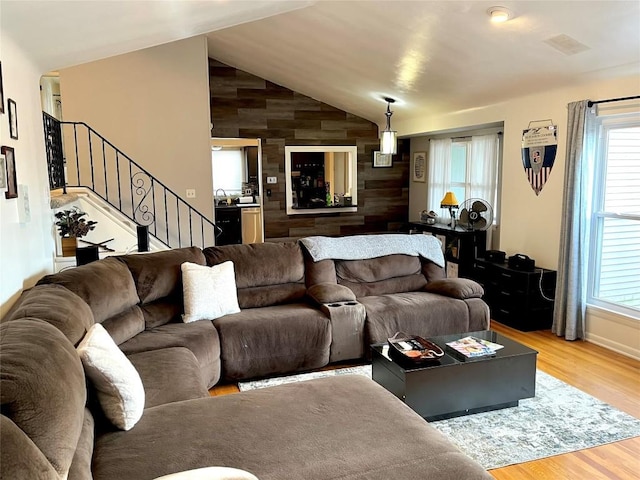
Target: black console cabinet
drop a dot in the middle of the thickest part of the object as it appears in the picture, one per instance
(462, 246)
(515, 297)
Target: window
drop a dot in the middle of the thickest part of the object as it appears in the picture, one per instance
(614, 270)
(458, 179)
(468, 167)
(229, 170)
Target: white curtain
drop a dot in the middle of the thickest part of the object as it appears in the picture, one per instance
(439, 173)
(483, 175)
(483, 170)
(571, 286)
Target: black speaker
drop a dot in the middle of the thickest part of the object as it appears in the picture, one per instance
(522, 262)
(86, 255)
(497, 256)
(143, 238)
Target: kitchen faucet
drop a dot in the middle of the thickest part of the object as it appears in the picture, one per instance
(226, 197)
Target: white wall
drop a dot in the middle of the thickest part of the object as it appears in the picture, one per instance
(26, 249)
(153, 105)
(531, 224)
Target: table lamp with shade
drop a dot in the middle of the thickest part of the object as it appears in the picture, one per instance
(450, 201)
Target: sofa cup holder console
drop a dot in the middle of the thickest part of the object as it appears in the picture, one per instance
(341, 304)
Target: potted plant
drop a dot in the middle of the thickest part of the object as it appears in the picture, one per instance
(71, 226)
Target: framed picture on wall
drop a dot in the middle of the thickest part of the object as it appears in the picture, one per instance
(13, 119)
(3, 173)
(10, 166)
(382, 160)
(1, 91)
(420, 167)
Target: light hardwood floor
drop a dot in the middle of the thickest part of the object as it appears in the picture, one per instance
(610, 377)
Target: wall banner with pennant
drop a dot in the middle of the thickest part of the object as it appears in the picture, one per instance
(539, 146)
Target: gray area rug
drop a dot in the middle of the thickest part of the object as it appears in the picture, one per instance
(560, 419)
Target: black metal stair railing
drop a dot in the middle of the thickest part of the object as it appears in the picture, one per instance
(55, 156)
(78, 156)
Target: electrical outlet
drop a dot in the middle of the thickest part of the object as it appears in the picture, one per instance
(272, 179)
(191, 193)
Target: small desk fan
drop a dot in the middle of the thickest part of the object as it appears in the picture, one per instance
(475, 214)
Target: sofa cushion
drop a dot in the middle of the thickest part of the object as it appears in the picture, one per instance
(260, 264)
(382, 275)
(431, 271)
(268, 295)
(118, 385)
(209, 292)
(20, 458)
(163, 311)
(106, 286)
(419, 313)
(323, 271)
(330, 293)
(410, 283)
(157, 274)
(266, 273)
(125, 325)
(42, 391)
(264, 341)
(376, 269)
(316, 420)
(199, 337)
(456, 288)
(169, 375)
(58, 306)
(81, 465)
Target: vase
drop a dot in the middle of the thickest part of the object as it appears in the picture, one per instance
(69, 245)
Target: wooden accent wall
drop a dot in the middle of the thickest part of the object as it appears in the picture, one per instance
(246, 106)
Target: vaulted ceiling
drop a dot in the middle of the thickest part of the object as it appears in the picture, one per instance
(432, 56)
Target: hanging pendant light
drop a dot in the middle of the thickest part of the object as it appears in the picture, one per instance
(388, 138)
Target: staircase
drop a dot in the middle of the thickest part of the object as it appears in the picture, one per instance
(78, 156)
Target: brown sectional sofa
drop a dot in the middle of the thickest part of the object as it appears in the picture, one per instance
(324, 429)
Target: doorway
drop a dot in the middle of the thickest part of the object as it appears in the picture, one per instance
(236, 165)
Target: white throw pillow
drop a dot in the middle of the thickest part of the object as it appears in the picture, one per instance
(209, 292)
(117, 382)
(210, 473)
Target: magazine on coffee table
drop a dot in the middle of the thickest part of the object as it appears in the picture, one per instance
(473, 347)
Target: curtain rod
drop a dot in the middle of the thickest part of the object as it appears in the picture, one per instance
(592, 103)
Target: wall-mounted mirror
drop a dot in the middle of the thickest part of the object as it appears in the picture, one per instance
(321, 179)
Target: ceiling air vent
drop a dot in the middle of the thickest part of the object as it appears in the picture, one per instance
(566, 44)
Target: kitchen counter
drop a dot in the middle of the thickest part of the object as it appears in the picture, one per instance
(239, 205)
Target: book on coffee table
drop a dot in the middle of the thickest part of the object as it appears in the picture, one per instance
(473, 347)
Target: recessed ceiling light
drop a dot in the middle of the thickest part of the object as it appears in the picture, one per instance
(499, 14)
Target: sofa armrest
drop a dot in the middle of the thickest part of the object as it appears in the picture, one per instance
(330, 293)
(461, 288)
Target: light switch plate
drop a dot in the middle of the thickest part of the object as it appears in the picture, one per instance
(272, 179)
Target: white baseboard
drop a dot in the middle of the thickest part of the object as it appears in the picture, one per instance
(612, 330)
(615, 346)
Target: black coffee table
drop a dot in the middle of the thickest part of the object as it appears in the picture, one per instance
(454, 386)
